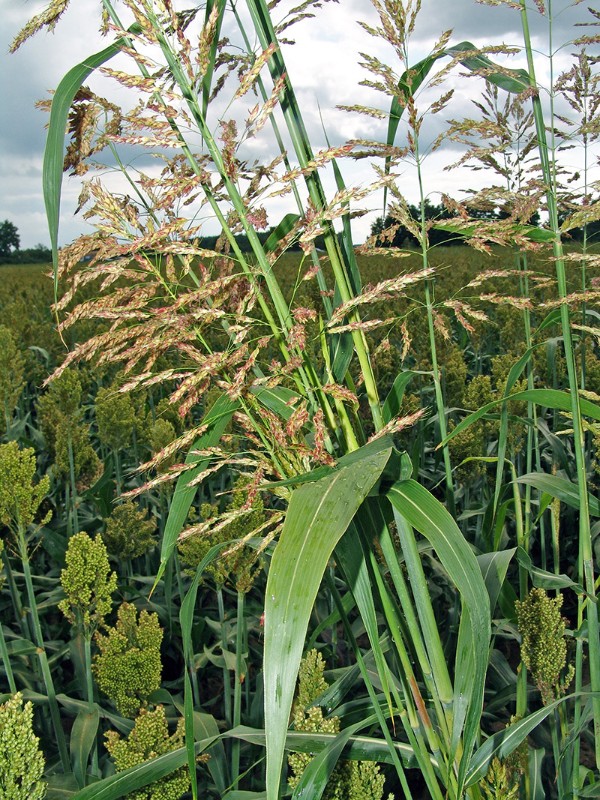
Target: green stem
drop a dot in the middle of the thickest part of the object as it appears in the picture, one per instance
(429, 289)
(43, 658)
(89, 687)
(586, 556)
(428, 774)
(301, 143)
(15, 596)
(224, 643)
(6, 663)
(237, 686)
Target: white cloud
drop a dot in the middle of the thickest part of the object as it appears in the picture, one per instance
(323, 65)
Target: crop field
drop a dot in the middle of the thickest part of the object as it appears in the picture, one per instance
(283, 516)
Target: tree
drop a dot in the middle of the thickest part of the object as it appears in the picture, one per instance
(9, 238)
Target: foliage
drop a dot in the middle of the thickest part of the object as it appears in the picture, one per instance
(9, 238)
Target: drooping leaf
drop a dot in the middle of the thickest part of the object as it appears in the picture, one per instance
(360, 748)
(494, 567)
(391, 407)
(503, 743)
(561, 488)
(544, 579)
(316, 775)
(129, 780)
(280, 231)
(549, 398)
(515, 81)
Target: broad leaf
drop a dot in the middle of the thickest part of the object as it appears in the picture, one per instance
(318, 515)
(549, 398)
(134, 778)
(493, 568)
(83, 738)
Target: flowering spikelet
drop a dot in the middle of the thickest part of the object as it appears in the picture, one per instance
(46, 19)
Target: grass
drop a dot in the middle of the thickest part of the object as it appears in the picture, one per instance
(377, 457)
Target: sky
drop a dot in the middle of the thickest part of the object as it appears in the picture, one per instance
(324, 69)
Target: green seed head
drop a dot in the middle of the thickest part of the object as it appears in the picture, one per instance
(20, 497)
(128, 667)
(149, 739)
(87, 583)
(21, 760)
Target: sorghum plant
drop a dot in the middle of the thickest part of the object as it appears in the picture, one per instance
(215, 330)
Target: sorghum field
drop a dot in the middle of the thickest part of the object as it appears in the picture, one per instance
(298, 518)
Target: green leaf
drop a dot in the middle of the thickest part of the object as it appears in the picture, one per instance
(543, 579)
(316, 775)
(360, 748)
(52, 170)
(217, 419)
(553, 318)
(276, 235)
(214, 43)
(493, 568)
(318, 515)
(536, 787)
(62, 787)
(514, 81)
(550, 398)
(351, 557)
(276, 400)
(503, 743)
(401, 463)
(421, 510)
(83, 738)
(195, 725)
(590, 791)
(561, 488)
(134, 778)
(391, 407)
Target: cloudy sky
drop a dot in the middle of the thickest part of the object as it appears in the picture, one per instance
(324, 70)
